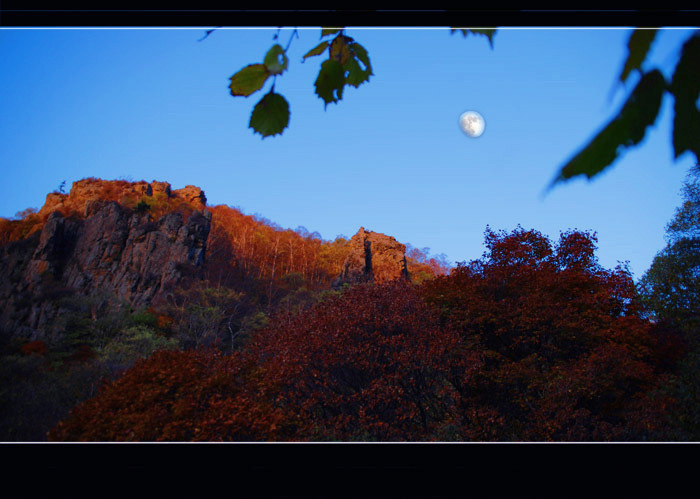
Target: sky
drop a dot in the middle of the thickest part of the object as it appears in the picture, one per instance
(154, 104)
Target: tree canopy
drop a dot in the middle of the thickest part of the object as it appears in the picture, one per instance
(535, 341)
(670, 290)
(671, 286)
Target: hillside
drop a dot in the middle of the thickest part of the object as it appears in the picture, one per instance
(138, 241)
(135, 312)
(112, 253)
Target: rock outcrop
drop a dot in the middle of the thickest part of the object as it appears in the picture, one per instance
(127, 193)
(373, 257)
(92, 244)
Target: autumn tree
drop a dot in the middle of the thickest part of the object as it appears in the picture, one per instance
(175, 395)
(200, 315)
(257, 253)
(670, 286)
(566, 355)
(93, 340)
(371, 363)
(534, 342)
(671, 294)
(254, 255)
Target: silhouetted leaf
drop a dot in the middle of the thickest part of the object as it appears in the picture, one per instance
(487, 32)
(685, 88)
(318, 50)
(361, 53)
(355, 75)
(637, 46)
(270, 116)
(329, 31)
(340, 48)
(272, 60)
(625, 130)
(330, 81)
(248, 80)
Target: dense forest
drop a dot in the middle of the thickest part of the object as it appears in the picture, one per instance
(136, 312)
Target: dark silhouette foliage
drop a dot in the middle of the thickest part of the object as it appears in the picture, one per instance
(670, 291)
(566, 355)
(371, 363)
(533, 342)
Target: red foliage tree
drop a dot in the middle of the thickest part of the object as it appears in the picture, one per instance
(567, 356)
(254, 253)
(177, 396)
(533, 342)
(370, 364)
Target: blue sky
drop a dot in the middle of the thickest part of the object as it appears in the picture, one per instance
(153, 104)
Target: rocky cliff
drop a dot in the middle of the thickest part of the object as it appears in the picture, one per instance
(130, 240)
(134, 241)
(373, 257)
(123, 192)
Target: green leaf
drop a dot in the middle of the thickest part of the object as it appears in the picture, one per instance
(487, 32)
(685, 87)
(248, 80)
(625, 130)
(329, 31)
(638, 46)
(361, 53)
(270, 116)
(330, 81)
(318, 50)
(355, 75)
(272, 60)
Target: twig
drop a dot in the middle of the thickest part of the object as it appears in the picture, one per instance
(207, 33)
(295, 32)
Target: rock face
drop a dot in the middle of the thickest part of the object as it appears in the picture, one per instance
(373, 257)
(91, 189)
(107, 248)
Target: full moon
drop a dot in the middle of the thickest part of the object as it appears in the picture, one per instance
(472, 123)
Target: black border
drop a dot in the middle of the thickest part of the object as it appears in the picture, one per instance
(351, 470)
(343, 470)
(45, 13)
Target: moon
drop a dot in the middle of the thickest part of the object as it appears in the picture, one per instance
(472, 123)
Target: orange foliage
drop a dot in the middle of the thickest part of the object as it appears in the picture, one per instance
(23, 225)
(422, 267)
(176, 396)
(242, 247)
(372, 363)
(534, 342)
(159, 204)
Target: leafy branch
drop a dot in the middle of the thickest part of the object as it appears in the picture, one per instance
(641, 109)
(348, 63)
